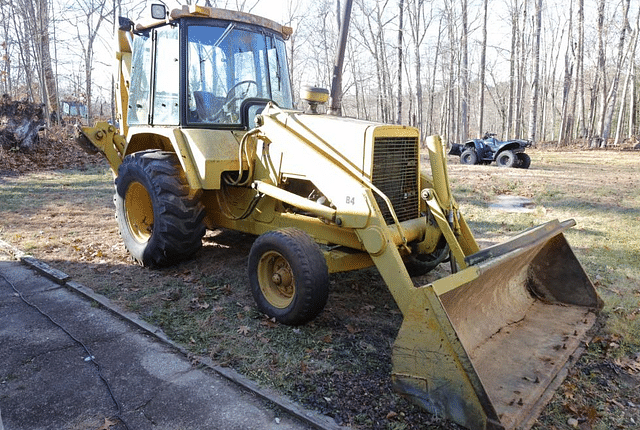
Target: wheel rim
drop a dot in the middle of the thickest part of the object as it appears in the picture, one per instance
(139, 211)
(276, 279)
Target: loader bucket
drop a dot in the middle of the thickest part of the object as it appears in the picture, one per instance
(488, 346)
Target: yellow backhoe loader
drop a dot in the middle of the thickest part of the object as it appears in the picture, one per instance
(208, 137)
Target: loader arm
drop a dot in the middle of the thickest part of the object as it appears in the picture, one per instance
(484, 346)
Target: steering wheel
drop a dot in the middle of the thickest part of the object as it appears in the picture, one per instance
(231, 97)
(232, 90)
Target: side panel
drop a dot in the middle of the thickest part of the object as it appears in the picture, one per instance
(212, 152)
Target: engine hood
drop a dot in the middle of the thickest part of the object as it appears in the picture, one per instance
(346, 138)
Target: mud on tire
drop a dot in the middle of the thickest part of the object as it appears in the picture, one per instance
(158, 215)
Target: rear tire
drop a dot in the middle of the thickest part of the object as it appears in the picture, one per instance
(288, 276)
(506, 158)
(469, 156)
(524, 161)
(159, 218)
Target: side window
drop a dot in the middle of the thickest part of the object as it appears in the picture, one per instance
(140, 76)
(206, 72)
(167, 76)
(279, 74)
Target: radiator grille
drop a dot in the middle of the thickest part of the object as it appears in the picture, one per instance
(395, 173)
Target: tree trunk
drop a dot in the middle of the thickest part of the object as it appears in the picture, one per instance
(91, 12)
(432, 90)
(536, 66)
(601, 79)
(623, 100)
(25, 53)
(400, 30)
(580, 72)
(632, 98)
(464, 77)
(565, 121)
(512, 66)
(49, 78)
(7, 87)
(611, 102)
(483, 62)
(415, 11)
(451, 124)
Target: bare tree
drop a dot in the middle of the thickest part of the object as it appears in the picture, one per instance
(464, 75)
(400, 30)
(613, 92)
(623, 100)
(432, 90)
(536, 67)
(515, 20)
(582, 129)
(7, 48)
(94, 13)
(372, 36)
(521, 65)
(51, 87)
(483, 65)
(20, 28)
(419, 23)
(565, 120)
(295, 19)
(451, 129)
(599, 86)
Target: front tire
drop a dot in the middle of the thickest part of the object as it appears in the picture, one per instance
(159, 218)
(288, 276)
(469, 156)
(506, 158)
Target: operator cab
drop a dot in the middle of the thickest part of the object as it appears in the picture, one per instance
(206, 68)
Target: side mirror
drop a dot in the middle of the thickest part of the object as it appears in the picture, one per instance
(158, 11)
(125, 24)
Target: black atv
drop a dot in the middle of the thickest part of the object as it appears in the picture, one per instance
(508, 153)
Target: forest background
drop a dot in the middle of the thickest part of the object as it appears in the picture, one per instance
(544, 70)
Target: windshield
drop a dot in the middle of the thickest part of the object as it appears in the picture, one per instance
(227, 65)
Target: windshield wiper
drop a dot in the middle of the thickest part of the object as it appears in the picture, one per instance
(224, 35)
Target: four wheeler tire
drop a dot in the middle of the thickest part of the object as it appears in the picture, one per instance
(159, 218)
(288, 276)
(524, 161)
(469, 156)
(506, 158)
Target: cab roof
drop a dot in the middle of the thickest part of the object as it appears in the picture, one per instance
(197, 11)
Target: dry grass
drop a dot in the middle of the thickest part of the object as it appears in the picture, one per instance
(342, 357)
(600, 190)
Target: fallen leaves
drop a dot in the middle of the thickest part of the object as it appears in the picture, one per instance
(269, 323)
(107, 424)
(629, 364)
(198, 305)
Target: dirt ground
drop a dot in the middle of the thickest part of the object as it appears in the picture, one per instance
(340, 366)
